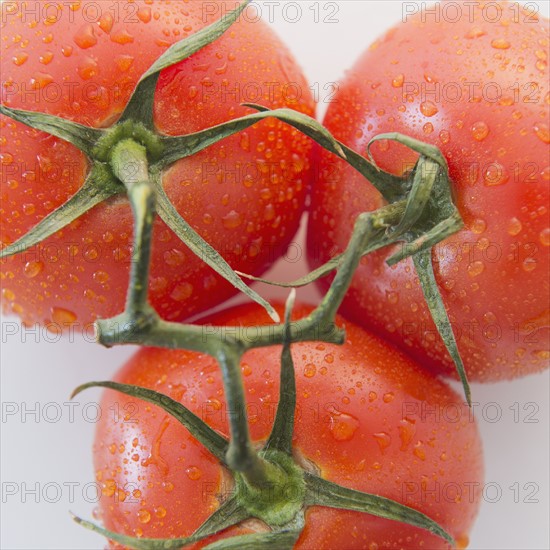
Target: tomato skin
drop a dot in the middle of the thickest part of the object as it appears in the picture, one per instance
(244, 195)
(493, 274)
(360, 420)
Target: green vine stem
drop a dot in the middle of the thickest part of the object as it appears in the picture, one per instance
(129, 158)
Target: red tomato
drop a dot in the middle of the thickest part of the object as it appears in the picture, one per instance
(478, 90)
(367, 417)
(244, 195)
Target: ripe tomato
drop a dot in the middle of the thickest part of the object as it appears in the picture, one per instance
(473, 81)
(244, 195)
(367, 417)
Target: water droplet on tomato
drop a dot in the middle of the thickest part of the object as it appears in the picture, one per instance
(475, 32)
(495, 174)
(174, 257)
(181, 292)
(428, 128)
(545, 237)
(8, 294)
(106, 22)
(398, 80)
(407, 430)
(144, 516)
(124, 62)
(383, 439)
(343, 426)
(88, 68)
(514, 227)
(529, 264)
(160, 512)
(500, 44)
(245, 141)
(20, 58)
(462, 542)
(392, 297)
(122, 36)
(542, 132)
(476, 268)
(85, 37)
(232, 220)
(101, 277)
(388, 397)
(193, 472)
(310, 370)
(62, 316)
(480, 130)
(428, 108)
(109, 488)
(33, 268)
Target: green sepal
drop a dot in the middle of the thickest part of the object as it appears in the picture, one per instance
(280, 438)
(140, 106)
(178, 147)
(280, 539)
(96, 189)
(432, 295)
(204, 434)
(209, 255)
(228, 514)
(82, 137)
(321, 492)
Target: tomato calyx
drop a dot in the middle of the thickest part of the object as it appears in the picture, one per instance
(269, 485)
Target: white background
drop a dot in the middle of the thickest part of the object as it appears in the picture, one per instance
(516, 451)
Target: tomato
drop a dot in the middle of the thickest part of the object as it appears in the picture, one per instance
(244, 195)
(367, 417)
(475, 84)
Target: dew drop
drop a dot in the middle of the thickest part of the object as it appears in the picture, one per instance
(88, 68)
(232, 220)
(193, 472)
(245, 141)
(160, 512)
(428, 108)
(310, 370)
(392, 297)
(428, 128)
(478, 226)
(174, 257)
(343, 426)
(500, 44)
(101, 277)
(514, 227)
(398, 80)
(20, 58)
(529, 264)
(480, 130)
(124, 62)
(388, 397)
(476, 268)
(462, 542)
(29, 209)
(85, 37)
(495, 174)
(182, 292)
(33, 268)
(545, 237)
(542, 132)
(383, 439)
(407, 430)
(109, 488)
(62, 316)
(444, 136)
(106, 22)
(144, 516)
(122, 36)
(475, 32)
(168, 486)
